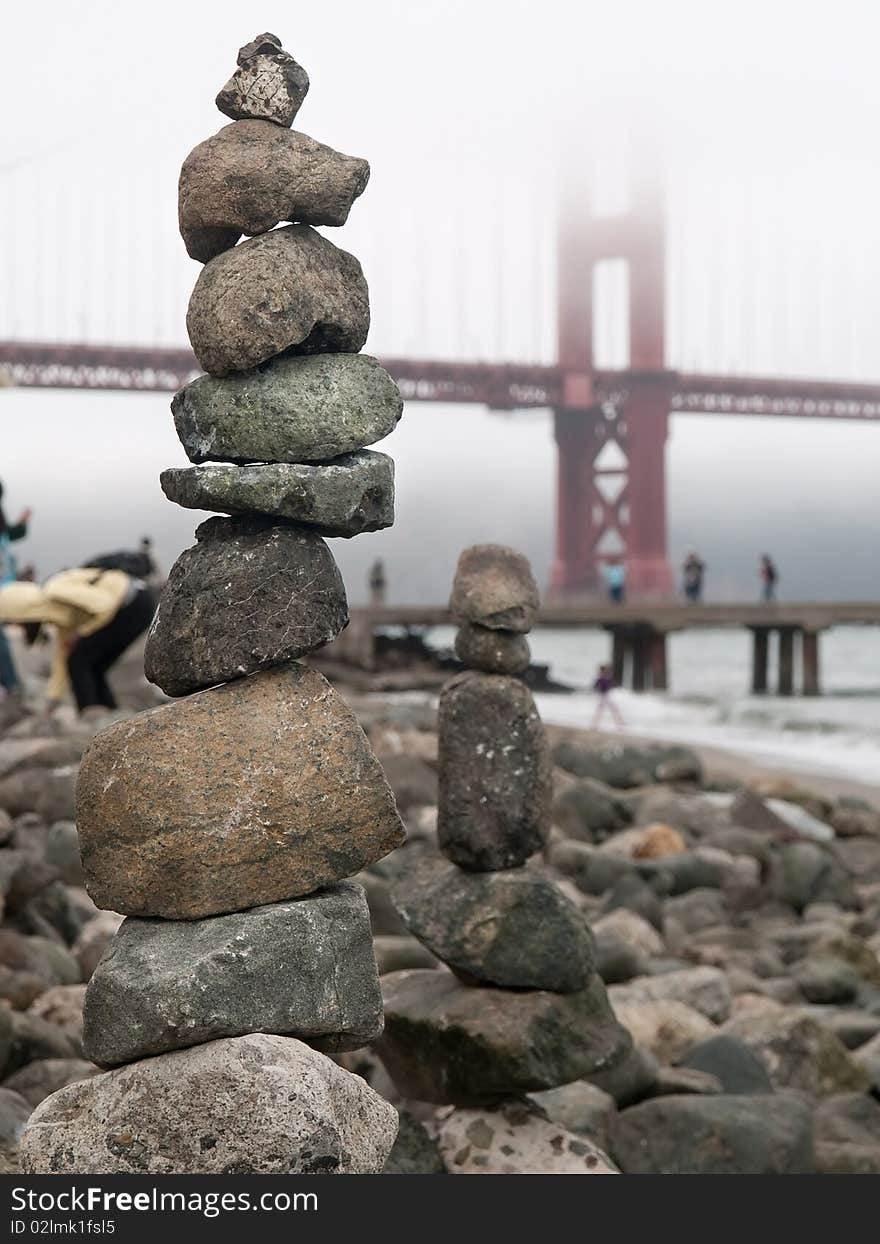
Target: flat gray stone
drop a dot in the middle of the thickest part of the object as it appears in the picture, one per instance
(254, 1105)
(449, 1042)
(301, 969)
(721, 1135)
(249, 595)
(253, 175)
(513, 928)
(268, 83)
(343, 497)
(293, 409)
(494, 770)
(289, 289)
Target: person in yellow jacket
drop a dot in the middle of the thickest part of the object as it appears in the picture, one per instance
(95, 615)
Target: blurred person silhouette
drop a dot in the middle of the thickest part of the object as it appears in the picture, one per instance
(9, 533)
(378, 583)
(94, 614)
(615, 580)
(769, 576)
(692, 573)
(603, 686)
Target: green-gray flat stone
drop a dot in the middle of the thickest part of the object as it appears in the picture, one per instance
(293, 409)
(343, 497)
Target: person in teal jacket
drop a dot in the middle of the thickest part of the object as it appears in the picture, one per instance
(9, 533)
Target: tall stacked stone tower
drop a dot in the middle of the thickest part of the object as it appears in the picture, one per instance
(223, 826)
(523, 1007)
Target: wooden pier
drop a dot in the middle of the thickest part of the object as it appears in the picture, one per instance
(639, 630)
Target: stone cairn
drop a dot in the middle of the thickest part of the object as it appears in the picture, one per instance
(223, 825)
(523, 1008)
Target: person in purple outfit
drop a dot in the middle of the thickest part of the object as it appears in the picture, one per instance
(603, 686)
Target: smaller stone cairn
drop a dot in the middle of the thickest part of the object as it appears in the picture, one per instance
(522, 1008)
(224, 826)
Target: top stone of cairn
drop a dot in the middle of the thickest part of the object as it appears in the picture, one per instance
(494, 588)
(267, 86)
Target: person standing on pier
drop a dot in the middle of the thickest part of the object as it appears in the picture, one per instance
(692, 573)
(769, 575)
(615, 580)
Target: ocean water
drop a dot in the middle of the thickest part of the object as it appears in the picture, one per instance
(836, 733)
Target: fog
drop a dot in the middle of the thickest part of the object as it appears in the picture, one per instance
(764, 115)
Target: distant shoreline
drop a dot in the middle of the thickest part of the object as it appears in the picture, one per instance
(725, 764)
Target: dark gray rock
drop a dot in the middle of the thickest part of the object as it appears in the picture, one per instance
(592, 871)
(513, 928)
(268, 83)
(289, 289)
(731, 1061)
(824, 979)
(493, 651)
(616, 960)
(589, 812)
(414, 1151)
(34, 1038)
(494, 770)
(46, 957)
(631, 892)
(303, 969)
(343, 497)
(62, 852)
(693, 1135)
(293, 409)
(697, 910)
(247, 596)
(449, 1042)
(494, 588)
(626, 766)
(681, 873)
(14, 1113)
(806, 873)
(848, 1135)
(631, 1079)
(252, 175)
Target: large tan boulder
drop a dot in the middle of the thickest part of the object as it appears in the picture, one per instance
(257, 791)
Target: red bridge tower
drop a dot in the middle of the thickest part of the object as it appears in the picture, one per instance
(609, 507)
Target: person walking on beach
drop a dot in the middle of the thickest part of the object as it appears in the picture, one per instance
(9, 532)
(692, 573)
(615, 580)
(95, 615)
(603, 686)
(769, 575)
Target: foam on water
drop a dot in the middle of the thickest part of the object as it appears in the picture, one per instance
(837, 733)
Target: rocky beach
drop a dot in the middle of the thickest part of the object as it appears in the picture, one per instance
(735, 917)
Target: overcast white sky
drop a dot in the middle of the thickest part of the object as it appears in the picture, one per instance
(766, 114)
